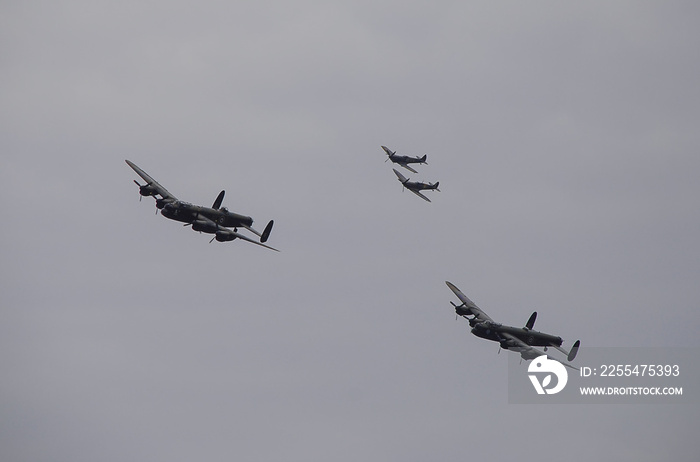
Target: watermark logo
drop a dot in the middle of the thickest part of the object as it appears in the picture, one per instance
(543, 365)
(607, 375)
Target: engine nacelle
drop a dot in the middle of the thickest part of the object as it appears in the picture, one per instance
(160, 203)
(147, 190)
(529, 354)
(461, 310)
(224, 236)
(204, 226)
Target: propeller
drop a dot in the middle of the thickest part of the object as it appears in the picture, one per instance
(141, 189)
(140, 195)
(453, 304)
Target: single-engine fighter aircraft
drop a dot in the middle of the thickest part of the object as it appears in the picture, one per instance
(213, 220)
(404, 160)
(416, 186)
(520, 339)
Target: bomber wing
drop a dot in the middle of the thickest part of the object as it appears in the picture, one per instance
(229, 235)
(527, 351)
(225, 234)
(470, 305)
(151, 182)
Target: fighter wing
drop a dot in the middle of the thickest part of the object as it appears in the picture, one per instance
(527, 351)
(151, 182)
(418, 194)
(402, 178)
(388, 151)
(407, 167)
(470, 305)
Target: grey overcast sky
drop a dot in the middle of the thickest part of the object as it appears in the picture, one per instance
(565, 139)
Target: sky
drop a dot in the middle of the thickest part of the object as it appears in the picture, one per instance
(564, 137)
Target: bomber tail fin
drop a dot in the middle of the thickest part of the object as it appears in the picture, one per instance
(218, 201)
(423, 159)
(531, 322)
(574, 351)
(267, 231)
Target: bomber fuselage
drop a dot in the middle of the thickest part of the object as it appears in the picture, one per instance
(491, 330)
(189, 213)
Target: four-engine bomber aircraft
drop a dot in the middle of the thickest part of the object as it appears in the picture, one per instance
(520, 339)
(213, 220)
(404, 160)
(416, 186)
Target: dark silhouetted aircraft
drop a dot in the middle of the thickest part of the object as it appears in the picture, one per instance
(213, 220)
(404, 160)
(519, 339)
(416, 186)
